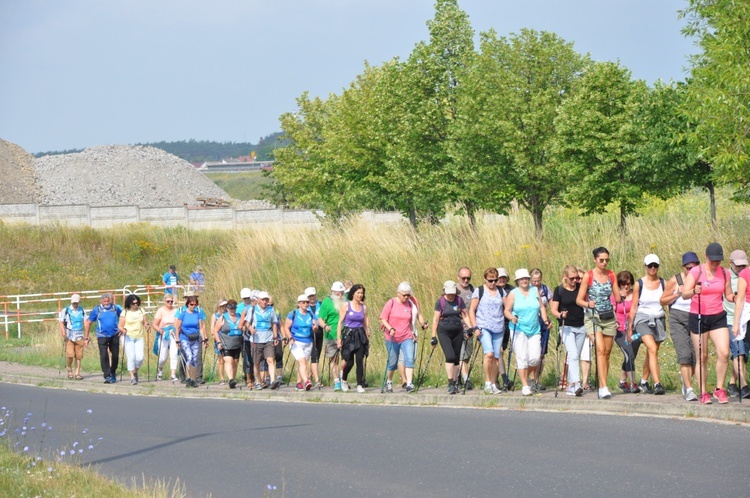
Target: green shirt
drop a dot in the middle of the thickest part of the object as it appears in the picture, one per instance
(329, 313)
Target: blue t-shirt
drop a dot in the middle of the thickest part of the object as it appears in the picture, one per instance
(190, 322)
(263, 321)
(106, 319)
(527, 309)
(170, 280)
(301, 328)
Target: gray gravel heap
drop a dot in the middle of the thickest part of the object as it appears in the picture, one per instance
(18, 185)
(119, 175)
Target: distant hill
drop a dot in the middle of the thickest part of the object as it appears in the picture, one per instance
(204, 150)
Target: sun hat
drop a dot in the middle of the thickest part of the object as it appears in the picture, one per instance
(690, 257)
(714, 252)
(502, 273)
(310, 291)
(738, 257)
(449, 287)
(522, 273)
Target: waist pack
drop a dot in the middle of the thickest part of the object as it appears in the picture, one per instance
(193, 337)
(606, 315)
(231, 341)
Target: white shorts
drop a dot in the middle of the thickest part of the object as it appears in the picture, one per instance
(586, 351)
(301, 350)
(528, 349)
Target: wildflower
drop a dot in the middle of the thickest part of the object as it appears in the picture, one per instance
(91, 446)
(49, 469)
(85, 431)
(100, 438)
(89, 411)
(44, 424)
(25, 448)
(72, 452)
(80, 451)
(38, 458)
(62, 453)
(75, 444)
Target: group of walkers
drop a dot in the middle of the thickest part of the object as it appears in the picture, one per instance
(594, 309)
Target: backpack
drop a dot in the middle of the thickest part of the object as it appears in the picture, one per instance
(610, 274)
(67, 315)
(443, 303)
(640, 286)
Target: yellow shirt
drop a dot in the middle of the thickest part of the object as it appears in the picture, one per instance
(134, 323)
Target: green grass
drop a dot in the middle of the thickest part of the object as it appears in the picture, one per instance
(245, 186)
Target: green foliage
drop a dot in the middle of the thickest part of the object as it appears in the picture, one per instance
(244, 186)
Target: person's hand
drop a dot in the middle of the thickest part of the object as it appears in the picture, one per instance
(338, 343)
(564, 314)
(477, 332)
(591, 305)
(433, 342)
(424, 325)
(698, 288)
(514, 319)
(392, 331)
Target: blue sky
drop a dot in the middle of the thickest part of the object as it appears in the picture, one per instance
(78, 73)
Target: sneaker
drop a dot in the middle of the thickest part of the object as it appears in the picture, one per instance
(690, 394)
(258, 386)
(460, 382)
(275, 384)
(308, 385)
(199, 381)
(721, 396)
(745, 392)
(344, 386)
(266, 384)
(705, 399)
(634, 389)
(318, 386)
(579, 391)
(571, 390)
(360, 389)
(159, 375)
(389, 387)
(409, 388)
(645, 388)
(488, 387)
(469, 385)
(403, 386)
(107, 380)
(113, 379)
(659, 389)
(134, 381)
(337, 386)
(526, 390)
(732, 390)
(174, 379)
(452, 387)
(299, 387)
(604, 393)
(540, 386)
(500, 387)
(495, 390)
(624, 386)
(190, 383)
(232, 383)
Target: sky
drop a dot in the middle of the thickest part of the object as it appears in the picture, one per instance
(79, 73)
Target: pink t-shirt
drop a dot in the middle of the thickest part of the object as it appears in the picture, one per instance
(746, 275)
(712, 293)
(622, 310)
(399, 316)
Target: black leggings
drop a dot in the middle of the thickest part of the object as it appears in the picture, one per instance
(629, 351)
(359, 356)
(317, 346)
(451, 341)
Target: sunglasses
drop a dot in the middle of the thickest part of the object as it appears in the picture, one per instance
(406, 295)
(575, 278)
(192, 304)
(690, 267)
(652, 265)
(169, 302)
(491, 280)
(603, 260)
(465, 278)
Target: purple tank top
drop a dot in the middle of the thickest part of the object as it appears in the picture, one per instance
(354, 319)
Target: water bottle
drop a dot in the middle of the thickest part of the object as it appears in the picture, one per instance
(636, 336)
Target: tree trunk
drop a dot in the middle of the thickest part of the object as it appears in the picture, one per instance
(413, 216)
(623, 220)
(712, 196)
(537, 212)
(471, 213)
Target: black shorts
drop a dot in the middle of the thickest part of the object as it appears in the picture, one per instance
(234, 353)
(708, 322)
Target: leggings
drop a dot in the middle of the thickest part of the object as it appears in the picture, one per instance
(317, 346)
(451, 342)
(359, 356)
(629, 351)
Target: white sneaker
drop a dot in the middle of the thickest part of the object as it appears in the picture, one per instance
(344, 385)
(360, 389)
(526, 391)
(571, 391)
(159, 375)
(690, 395)
(604, 393)
(488, 387)
(494, 389)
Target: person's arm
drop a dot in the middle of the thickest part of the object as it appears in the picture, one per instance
(287, 331)
(554, 307)
(582, 299)
(367, 321)
(435, 320)
(146, 325)
(202, 328)
(61, 320)
(87, 324)
(690, 287)
(342, 315)
(633, 310)
(671, 292)
(728, 286)
(739, 304)
(510, 300)
(218, 323)
(156, 325)
(177, 329)
(383, 320)
(121, 325)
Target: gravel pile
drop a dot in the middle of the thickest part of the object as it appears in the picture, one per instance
(119, 175)
(18, 185)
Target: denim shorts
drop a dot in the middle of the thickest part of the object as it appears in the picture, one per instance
(396, 349)
(737, 348)
(491, 342)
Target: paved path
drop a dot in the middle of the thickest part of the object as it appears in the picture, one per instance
(238, 448)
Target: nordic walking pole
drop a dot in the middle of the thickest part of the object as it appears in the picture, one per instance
(472, 360)
(213, 370)
(424, 372)
(385, 370)
(739, 377)
(596, 358)
(62, 356)
(122, 360)
(419, 368)
(288, 356)
(291, 373)
(700, 347)
(560, 331)
(515, 372)
(148, 356)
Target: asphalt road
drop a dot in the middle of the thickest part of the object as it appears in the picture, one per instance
(239, 448)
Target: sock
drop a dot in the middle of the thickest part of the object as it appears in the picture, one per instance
(488, 384)
(505, 378)
(643, 381)
(464, 376)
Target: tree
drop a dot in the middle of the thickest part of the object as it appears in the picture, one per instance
(598, 140)
(718, 97)
(516, 89)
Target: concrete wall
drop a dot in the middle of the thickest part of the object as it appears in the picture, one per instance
(108, 216)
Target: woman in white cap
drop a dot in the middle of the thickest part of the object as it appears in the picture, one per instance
(167, 346)
(328, 321)
(647, 318)
(397, 319)
(523, 307)
(227, 333)
(353, 336)
(298, 330)
(314, 309)
(705, 284)
(448, 326)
